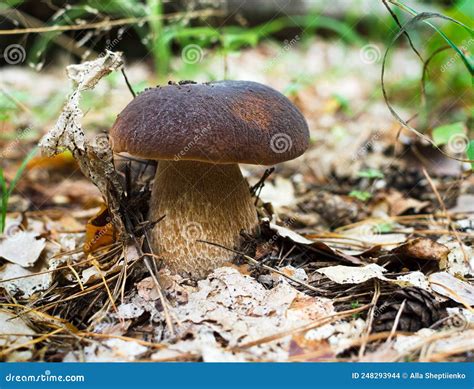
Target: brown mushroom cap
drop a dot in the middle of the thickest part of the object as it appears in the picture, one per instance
(218, 122)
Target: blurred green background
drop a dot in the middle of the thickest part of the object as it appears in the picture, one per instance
(202, 32)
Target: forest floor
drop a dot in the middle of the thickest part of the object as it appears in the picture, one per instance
(366, 244)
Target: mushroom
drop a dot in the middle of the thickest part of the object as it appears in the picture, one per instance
(200, 133)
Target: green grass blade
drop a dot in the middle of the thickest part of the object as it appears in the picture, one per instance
(310, 22)
(3, 187)
(429, 15)
(419, 17)
(20, 170)
(7, 191)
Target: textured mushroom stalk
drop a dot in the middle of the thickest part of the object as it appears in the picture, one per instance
(200, 201)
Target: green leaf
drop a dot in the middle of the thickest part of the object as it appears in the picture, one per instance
(343, 102)
(470, 152)
(293, 88)
(355, 304)
(238, 40)
(442, 134)
(360, 195)
(385, 228)
(370, 173)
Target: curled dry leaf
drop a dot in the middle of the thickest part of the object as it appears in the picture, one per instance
(370, 235)
(169, 283)
(100, 231)
(424, 249)
(95, 161)
(285, 232)
(465, 316)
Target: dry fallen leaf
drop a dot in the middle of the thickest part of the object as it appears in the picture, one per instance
(22, 248)
(340, 335)
(14, 332)
(303, 349)
(327, 246)
(452, 287)
(353, 275)
(229, 309)
(147, 289)
(100, 231)
(414, 278)
(116, 350)
(461, 340)
(28, 281)
(370, 235)
(457, 264)
(424, 249)
(58, 161)
(285, 232)
(24, 281)
(280, 193)
(95, 159)
(399, 204)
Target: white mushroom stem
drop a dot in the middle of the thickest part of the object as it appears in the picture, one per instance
(200, 201)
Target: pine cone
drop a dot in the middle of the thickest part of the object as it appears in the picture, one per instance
(421, 310)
